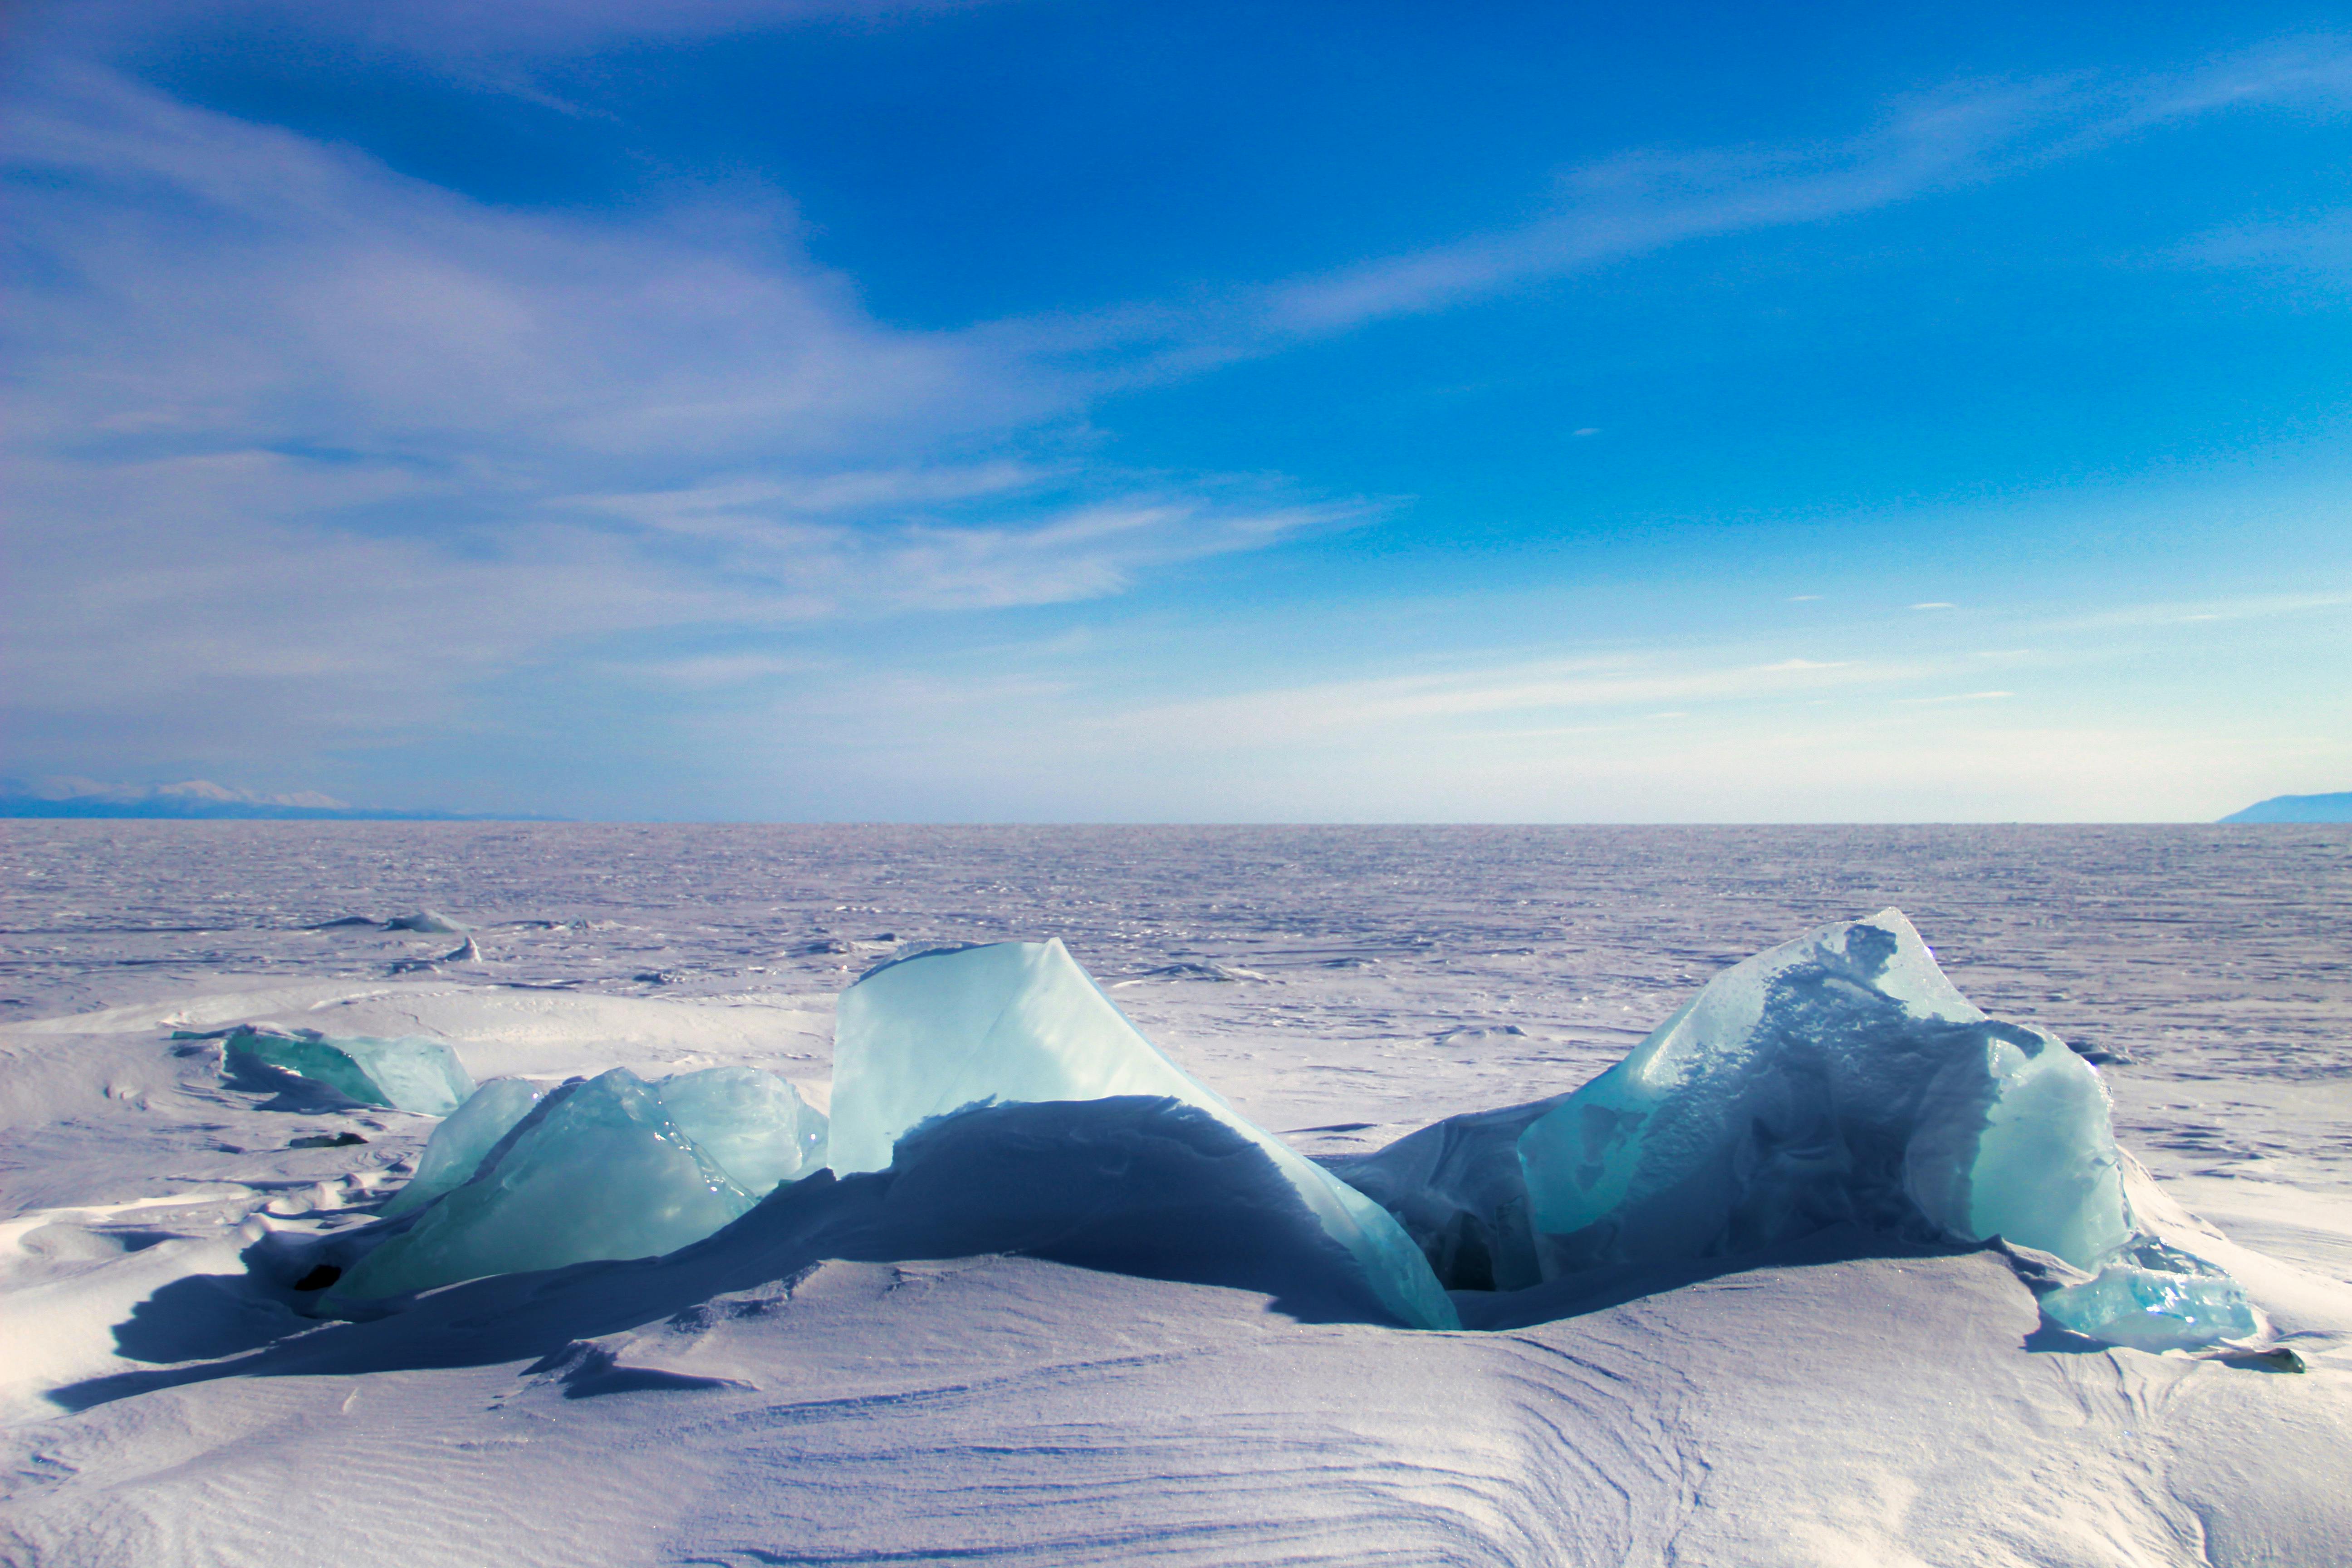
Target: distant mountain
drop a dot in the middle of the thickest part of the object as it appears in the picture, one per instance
(2297, 808)
(200, 799)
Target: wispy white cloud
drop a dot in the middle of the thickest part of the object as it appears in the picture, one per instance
(2316, 250)
(1474, 696)
(504, 38)
(1960, 697)
(300, 448)
(1643, 202)
(292, 434)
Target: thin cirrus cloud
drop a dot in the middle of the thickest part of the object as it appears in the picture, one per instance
(265, 381)
(1644, 202)
(1477, 696)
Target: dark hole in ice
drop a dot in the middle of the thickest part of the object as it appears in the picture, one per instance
(319, 1278)
(326, 1141)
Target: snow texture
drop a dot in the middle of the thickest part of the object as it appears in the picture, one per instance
(1020, 1023)
(964, 1357)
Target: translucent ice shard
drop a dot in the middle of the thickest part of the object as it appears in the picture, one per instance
(405, 1074)
(1839, 1077)
(612, 1167)
(597, 1169)
(1458, 1189)
(753, 1123)
(1020, 1023)
(458, 1146)
(2154, 1298)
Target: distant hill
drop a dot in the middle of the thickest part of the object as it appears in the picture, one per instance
(2297, 808)
(200, 799)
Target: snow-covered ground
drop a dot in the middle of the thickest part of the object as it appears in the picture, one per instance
(752, 1403)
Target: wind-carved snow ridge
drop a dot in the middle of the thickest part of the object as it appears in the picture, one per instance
(1837, 1079)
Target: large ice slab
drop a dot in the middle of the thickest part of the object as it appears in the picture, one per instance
(598, 1168)
(1021, 1023)
(458, 1146)
(1839, 1077)
(1458, 1189)
(405, 1074)
(753, 1123)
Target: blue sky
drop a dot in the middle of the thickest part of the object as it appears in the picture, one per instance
(1182, 412)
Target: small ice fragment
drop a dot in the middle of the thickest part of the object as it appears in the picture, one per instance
(596, 1170)
(2154, 1298)
(457, 1147)
(753, 1123)
(405, 1074)
(1020, 1023)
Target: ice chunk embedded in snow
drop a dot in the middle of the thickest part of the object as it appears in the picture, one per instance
(611, 1167)
(1839, 1077)
(2154, 1298)
(1458, 1189)
(753, 1123)
(405, 1074)
(457, 1147)
(429, 921)
(597, 1169)
(1020, 1023)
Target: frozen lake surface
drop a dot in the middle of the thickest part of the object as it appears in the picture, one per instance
(1342, 986)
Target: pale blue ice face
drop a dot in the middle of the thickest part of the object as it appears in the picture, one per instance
(1837, 1077)
(614, 1167)
(458, 1146)
(405, 1074)
(596, 1170)
(2154, 1298)
(753, 1123)
(2046, 1172)
(1022, 1023)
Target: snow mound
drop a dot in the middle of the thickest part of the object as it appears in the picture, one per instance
(405, 1074)
(430, 923)
(1021, 1023)
(1136, 1184)
(609, 1167)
